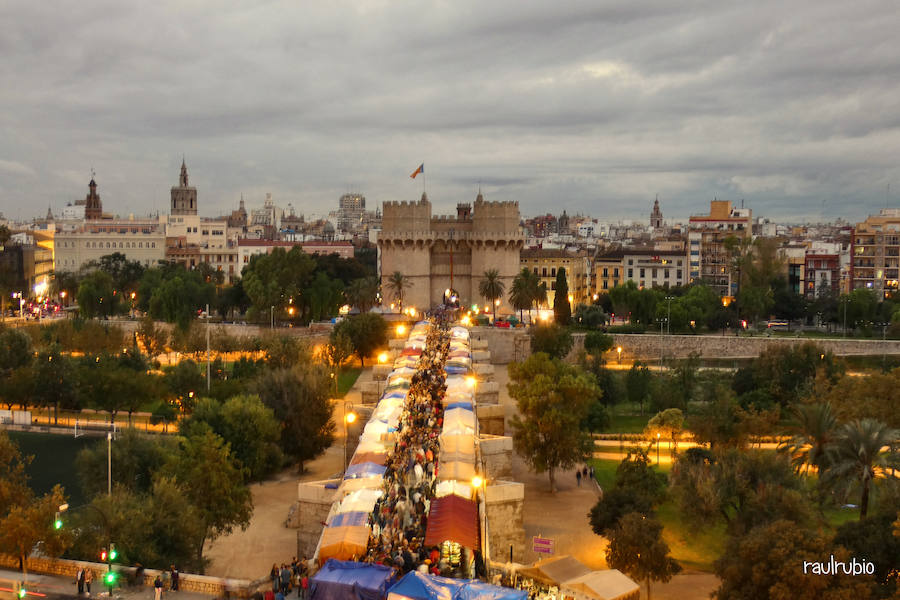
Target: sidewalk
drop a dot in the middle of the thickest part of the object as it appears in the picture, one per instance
(57, 586)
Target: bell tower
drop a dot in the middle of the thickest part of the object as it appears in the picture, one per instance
(184, 196)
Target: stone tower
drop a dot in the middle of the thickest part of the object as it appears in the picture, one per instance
(93, 208)
(656, 217)
(184, 196)
(437, 253)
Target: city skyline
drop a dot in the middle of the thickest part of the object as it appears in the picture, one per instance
(596, 109)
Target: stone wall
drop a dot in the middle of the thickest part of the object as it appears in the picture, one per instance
(188, 582)
(508, 345)
(504, 504)
(491, 418)
(496, 455)
(314, 502)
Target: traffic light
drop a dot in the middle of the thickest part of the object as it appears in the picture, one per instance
(112, 552)
(103, 555)
(22, 592)
(110, 578)
(57, 521)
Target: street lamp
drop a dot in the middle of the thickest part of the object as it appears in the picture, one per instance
(349, 419)
(657, 449)
(619, 353)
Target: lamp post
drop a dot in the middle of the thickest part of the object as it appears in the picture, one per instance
(669, 313)
(657, 449)
(619, 353)
(207, 350)
(349, 419)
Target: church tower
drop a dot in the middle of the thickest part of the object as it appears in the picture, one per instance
(184, 196)
(656, 217)
(93, 208)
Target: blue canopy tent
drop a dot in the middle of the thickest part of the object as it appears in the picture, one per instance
(364, 469)
(346, 580)
(419, 586)
(463, 405)
(349, 519)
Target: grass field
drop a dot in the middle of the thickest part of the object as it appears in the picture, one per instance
(54, 461)
(347, 379)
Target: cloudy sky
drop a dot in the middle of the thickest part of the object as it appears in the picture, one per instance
(595, 107)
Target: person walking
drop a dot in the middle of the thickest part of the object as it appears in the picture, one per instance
(88, 580)
(79, 581)
(173, 573)
(157, 587)
(578, 477)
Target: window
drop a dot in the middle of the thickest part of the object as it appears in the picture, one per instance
(654, 272)
(553, 272)
(605, 271)
(668, 272)
(630, 261)
(616, 273)
(153, 244)
(535, 271)
(605, 284)
(630, 273)
(543, 271)
(642, 272)
(140, 244)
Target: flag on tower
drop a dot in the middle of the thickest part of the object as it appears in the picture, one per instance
(421, 169)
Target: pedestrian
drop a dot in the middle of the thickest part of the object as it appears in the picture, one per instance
(157, 587)
(578, 477)
(79, 580)
(88, 580)
(304, 584)
(273, 574)
(174, 575)
(584, 472)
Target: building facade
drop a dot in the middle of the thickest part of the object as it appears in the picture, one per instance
(437, 253)
(875, 253)
(709, 259)
(546, 263)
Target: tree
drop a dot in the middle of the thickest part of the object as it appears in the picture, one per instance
(366, 333)
(14, 488)
(284, 351)
(814, 430)
(398, 283)
(667, 424)
(637, 488)
(97, 298)
(184, 382)
(152, 337)
(768, 563)
(55, 381)
(551, 339)
(856, 457)
(562, 307)
(275, 281)
(180, 296)
(300, 400)
(15, 351)
(875, 396)
(247, 425)
(638, 384)
(361, 293)
(135, 460)
(214, 485)
(637, 549)
(29, 526)
(552, 399)
(523, 291)
(718, 421)
(323, 298)
(335, 354)
(596, 343)
(873, 539)
(491, 288)
(787, 371)
(590, 316)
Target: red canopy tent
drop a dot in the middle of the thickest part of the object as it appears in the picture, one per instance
(455, 519)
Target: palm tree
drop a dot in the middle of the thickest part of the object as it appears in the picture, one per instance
(520, 294)
(491, 288)
(397, 282)
(857, 456)
(814, 430)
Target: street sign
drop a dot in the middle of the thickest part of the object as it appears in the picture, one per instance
(542, 545)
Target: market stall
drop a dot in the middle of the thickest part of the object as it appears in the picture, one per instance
(343, 580)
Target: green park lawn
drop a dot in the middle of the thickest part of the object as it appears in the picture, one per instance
(346, 380)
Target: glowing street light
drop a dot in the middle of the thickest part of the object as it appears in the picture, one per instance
(471, 382)
(477, 481)
(382, 357)
(619, 353)
(401, 330)
(349, 419)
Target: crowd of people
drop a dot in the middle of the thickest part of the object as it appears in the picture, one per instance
(400, 517)
(287, 578)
